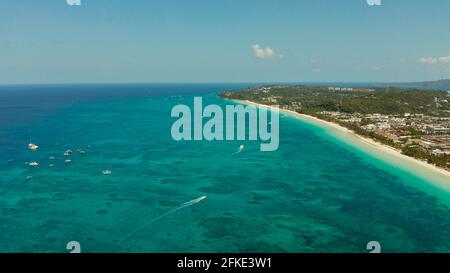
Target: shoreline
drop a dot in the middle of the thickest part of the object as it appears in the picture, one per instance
(381, 150)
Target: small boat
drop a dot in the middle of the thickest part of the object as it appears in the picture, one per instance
(68, 153)
(67, 161)
(33, 164)
(106, 172)
(51, 158)
(51, 165)
(33, 147)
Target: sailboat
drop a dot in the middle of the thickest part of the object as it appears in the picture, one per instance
(32, 146)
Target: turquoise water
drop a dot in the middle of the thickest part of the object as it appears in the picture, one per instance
(315, 194)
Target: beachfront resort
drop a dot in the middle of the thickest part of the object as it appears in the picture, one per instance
(416, 122)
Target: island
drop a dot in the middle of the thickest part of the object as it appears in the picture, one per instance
(415, 122)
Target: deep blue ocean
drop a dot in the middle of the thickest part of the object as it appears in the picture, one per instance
(314, 194)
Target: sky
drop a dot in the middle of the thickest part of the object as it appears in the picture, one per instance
(109, 41)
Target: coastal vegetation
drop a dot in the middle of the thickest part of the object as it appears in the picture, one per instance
(390, 100)
(415, 122)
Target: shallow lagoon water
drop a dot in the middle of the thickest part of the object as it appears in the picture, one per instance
(315, 194)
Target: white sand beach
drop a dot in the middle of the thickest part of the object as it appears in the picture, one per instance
(429, 172)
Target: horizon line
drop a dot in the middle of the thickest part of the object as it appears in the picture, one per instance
(219, 82)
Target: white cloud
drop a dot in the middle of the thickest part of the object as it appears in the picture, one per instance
(435, 60)
(264, 53)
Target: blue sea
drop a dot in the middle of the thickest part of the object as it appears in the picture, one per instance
(316, 193)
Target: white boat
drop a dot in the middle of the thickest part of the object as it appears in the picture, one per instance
(33, 146)
(68, 153)
(33, 164)
(67, 161)
(106, 172)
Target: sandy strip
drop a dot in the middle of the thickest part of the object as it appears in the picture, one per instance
(387, 153)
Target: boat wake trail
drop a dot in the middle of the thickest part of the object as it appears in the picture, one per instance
(241, 148)
(182, 206)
